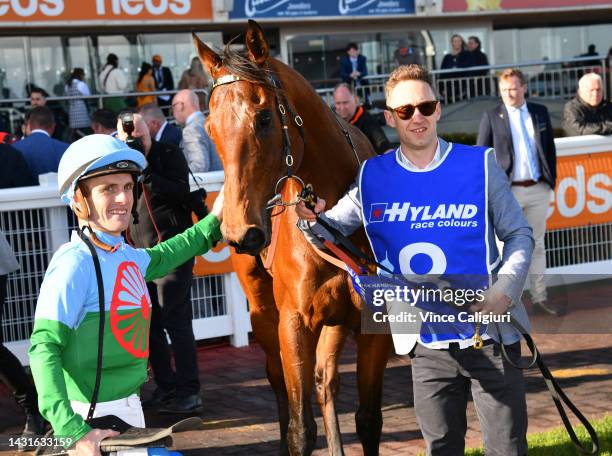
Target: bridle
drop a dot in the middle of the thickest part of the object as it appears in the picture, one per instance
(285, 110)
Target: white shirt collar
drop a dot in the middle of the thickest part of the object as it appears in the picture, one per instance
(522, 108)
(434, 161)
(38, 130)
(193, 116)
(160, 132)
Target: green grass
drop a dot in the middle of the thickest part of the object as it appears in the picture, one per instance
(556, 442)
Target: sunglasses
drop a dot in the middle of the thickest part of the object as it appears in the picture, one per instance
(427, 108)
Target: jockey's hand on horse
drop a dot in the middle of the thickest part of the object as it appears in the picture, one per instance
(89, 444)
(494, 302)
(306, 214)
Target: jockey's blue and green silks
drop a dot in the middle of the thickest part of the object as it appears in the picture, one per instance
(418, 224)
(64, 341)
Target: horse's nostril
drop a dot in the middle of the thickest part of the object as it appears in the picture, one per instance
(253, 240)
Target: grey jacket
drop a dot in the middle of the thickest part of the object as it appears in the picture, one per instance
(8, 262)
(506, 220)
(199, 150)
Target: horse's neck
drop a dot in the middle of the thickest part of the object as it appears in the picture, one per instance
(329, 163)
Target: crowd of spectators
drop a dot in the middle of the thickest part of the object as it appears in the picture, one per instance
(524, 149)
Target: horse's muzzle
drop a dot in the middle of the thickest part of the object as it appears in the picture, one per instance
(253, 242)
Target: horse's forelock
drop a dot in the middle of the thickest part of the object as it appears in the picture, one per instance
(240, 65)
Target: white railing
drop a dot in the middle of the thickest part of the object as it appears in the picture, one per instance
(579, 242)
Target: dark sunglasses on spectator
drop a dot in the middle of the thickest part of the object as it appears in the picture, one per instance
(427, 108)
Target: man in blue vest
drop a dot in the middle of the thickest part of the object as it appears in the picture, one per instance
(432, 207)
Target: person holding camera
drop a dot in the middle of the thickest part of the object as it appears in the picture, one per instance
(163, 209)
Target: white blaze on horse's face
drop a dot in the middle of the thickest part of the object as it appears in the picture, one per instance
(419, 132)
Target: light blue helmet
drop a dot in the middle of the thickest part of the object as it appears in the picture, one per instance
(102, 153)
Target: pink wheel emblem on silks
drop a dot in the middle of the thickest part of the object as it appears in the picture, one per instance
(130, 310)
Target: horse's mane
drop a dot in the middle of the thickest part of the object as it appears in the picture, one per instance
(240, 65)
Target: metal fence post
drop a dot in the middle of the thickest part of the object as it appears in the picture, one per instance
(237, 309)
(59, 232)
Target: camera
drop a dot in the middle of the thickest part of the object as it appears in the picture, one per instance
(197, 203)
(127, 122)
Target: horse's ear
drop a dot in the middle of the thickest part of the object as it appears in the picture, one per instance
(209, 58)
(256, 43)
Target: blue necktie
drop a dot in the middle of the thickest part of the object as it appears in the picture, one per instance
(531, 158)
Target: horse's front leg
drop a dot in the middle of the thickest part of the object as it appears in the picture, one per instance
(257, 285)
(372, 354)
(298, 344)
(327, 381)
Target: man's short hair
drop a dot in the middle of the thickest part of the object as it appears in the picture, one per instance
(40, 117)
(352, 46)
(588, 77)
(510, 72)
(411, 72)
(346, 86)
(152, 111)
(106, 118)
(39, 90)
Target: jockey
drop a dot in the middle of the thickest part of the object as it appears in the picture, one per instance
(97, 177)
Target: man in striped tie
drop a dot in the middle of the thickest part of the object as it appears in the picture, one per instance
(523, 138)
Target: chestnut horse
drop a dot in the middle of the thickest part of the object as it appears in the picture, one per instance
(268, 122)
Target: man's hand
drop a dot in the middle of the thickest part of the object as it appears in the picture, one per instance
(494, 302)
(140, 131)
(306, 214)
(217, 208)
(89, 445)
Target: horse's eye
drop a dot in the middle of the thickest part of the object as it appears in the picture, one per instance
(263, 120)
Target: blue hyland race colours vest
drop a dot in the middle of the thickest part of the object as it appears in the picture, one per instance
(431, 222)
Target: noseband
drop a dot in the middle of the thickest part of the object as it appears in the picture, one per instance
(284, 109)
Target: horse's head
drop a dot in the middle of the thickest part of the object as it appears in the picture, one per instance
(246, 124)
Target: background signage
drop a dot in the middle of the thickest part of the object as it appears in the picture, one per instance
(103, 10)
(315, 8)
(493, 5)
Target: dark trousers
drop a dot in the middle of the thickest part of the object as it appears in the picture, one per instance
(12, 373)
(172, 313)
(442, 380)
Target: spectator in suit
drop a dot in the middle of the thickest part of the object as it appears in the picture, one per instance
(113, 81)
(347, 106)
(588, 113)
(199, 150)
(14, 171)
(163, 212)
(163, 80)
(353, 66)
(41, 152)
(522, 136)
(104, 122)
(161, 130)
(38, 97)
